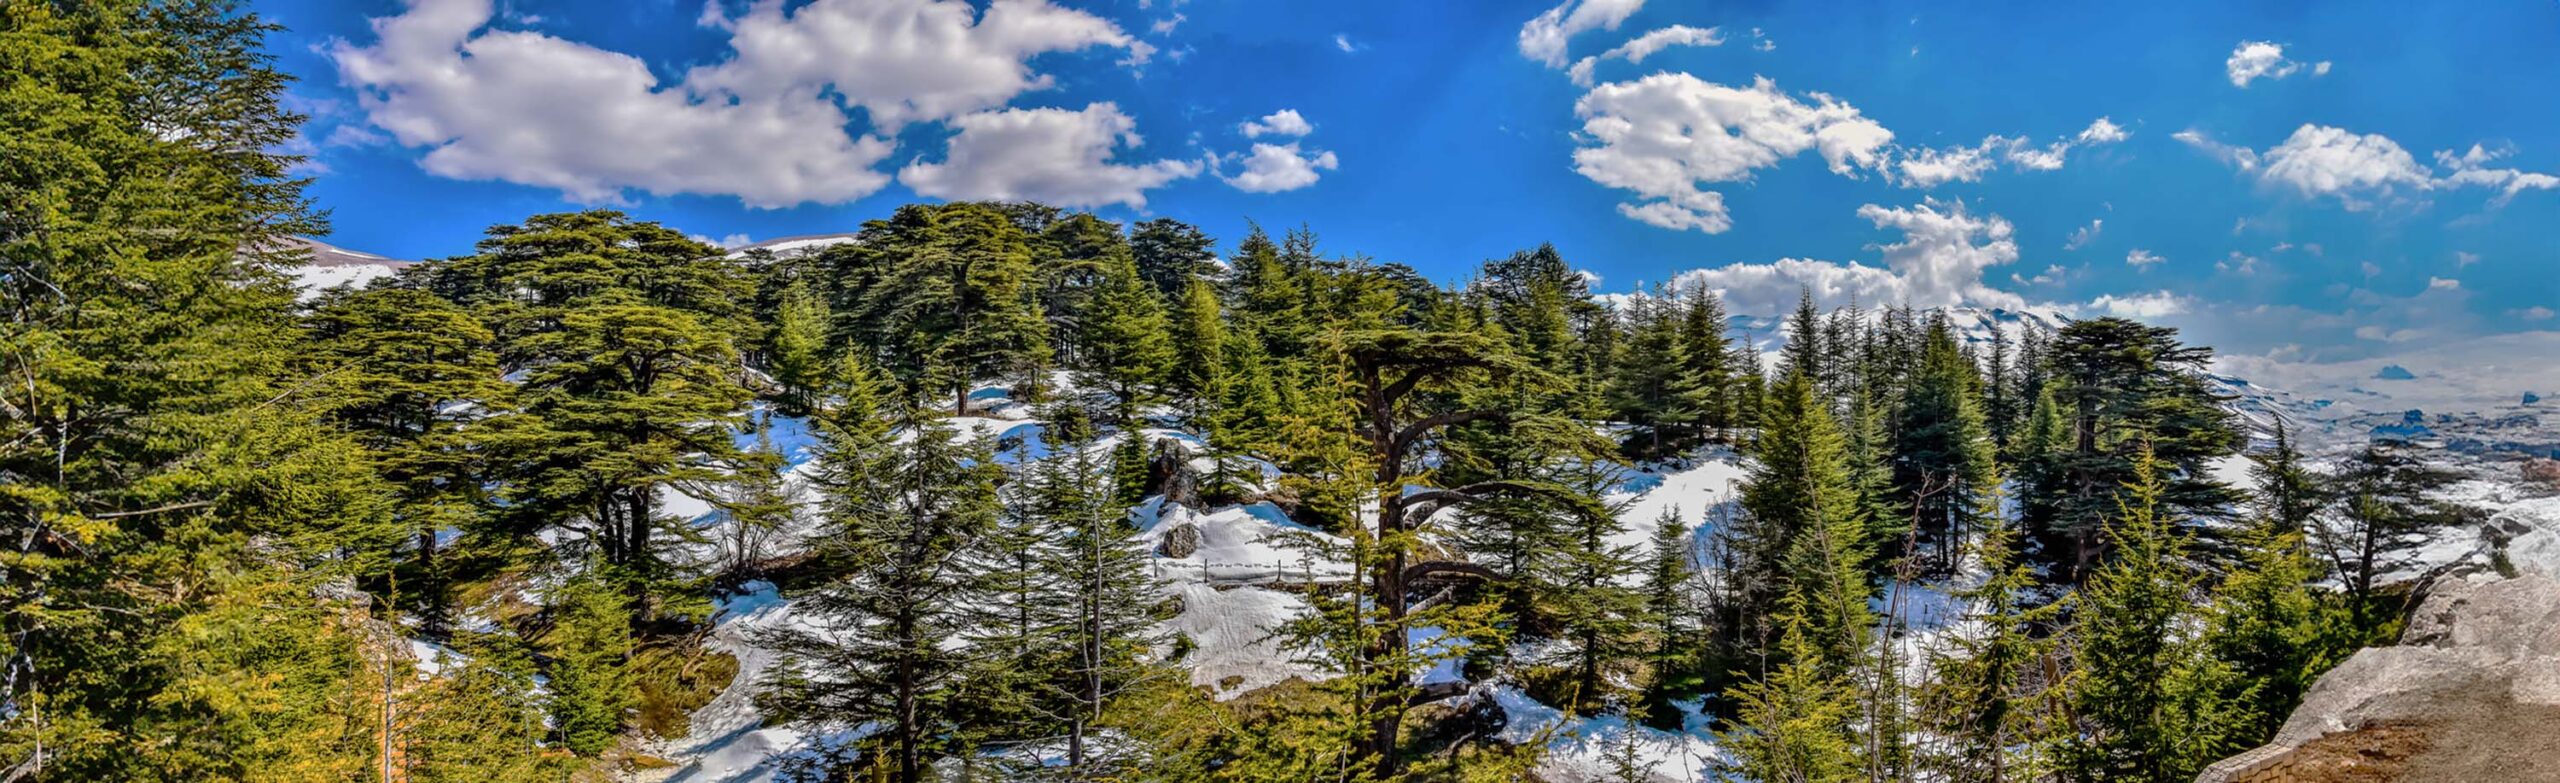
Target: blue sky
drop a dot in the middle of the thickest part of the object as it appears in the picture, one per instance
(2290, 181)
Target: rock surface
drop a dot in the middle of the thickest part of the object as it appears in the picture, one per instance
(2468, 694)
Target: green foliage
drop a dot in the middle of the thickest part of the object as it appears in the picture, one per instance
(797, 347)
(2153, 701)
(590, 646)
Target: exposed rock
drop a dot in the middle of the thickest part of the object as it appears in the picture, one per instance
(1169, 474)
(1179, 541)
(2477, 655)
(2542, 471)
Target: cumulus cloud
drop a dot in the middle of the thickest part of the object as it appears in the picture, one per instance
(1272, 168)
(2156, 304)
(2142, 259)
(2253, 60)
(768, 124)
(1645, 46)
(905, 61)
(1284, 122)
(1055, 156)
(2361, 170)
(2103, 131)
(1940, 261)
(1543, 39)
(1664, 135)
(2324, 161)
(2535, 313)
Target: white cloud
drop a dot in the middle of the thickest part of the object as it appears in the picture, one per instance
(532, 109)
(2237, 263)
(2156, 304)
(2052, 274)
(1940, 261)
(1766, 44)
(2464, 258)
(1665, 134)
(1343, 42)
(1543, 39)
(2238, 157)
(1928, 168)
(1166, 25)
(1676, 35)
(767, 124)
(730, 242)
(2535, 313)
(2443, 283)
(2320, 68)
(904, 61)
(1054, 156)
(2324, 161)
(1645, 46)
(1272, 168)
(2080, 237)
(2472, 168)
(2142, 259)
(2103, 131)
(1285, 122)
(2253, 60)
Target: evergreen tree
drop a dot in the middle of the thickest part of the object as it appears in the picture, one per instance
(1171, 255)
(1799, 491)
(2384, 508)
(2289, 495)
(1803, 354)
(2274, 632)
(899, 513)
(590, 648)
(797, 348)
(1649, 376)
(2122, 384)
(1670, 608)
(480, 718)
(1795, 724)
(1986, 695)
(1106, 592)
(1942, 455)
(1199, 334)
(1706, 363)
(2151, 697)
(414, 377)
(1593, 606)
(1127, 346)
(758, 504)
(169, 499)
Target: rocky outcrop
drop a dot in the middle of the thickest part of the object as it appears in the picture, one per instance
(2477, 670)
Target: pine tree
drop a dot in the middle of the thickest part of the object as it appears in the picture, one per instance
(2289, 495)
(1649, 376)
(2384, 507)
(1127, 348)
(590, 648)
(1985, 695)
(2152, 699)
(171, 500)
(1706, 363)
(1593, 606)
(1670, 608)
(1171, 255)
(1942, 452)
(415, 379)
(1107, 593)
(1199, 342)
(480, 718)
(1803, 354)
(1799, 490)
(898, 514)
(796, 349)
(2269, 626)
(1794, 725)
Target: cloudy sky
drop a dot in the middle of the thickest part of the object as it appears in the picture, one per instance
(2350, 181)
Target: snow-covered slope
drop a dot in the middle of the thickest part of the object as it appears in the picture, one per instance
(330, 266)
